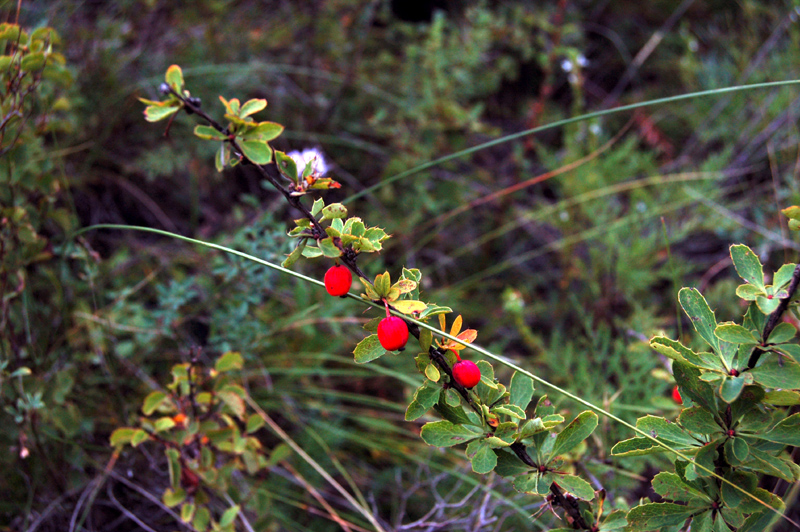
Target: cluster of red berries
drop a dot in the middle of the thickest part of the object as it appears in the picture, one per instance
(393, 331)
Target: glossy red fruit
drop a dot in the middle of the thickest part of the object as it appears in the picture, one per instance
(392, 333)
(676, 395)
(338, 280)
(466, 373)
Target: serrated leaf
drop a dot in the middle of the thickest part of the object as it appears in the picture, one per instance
(735, 334)
(576, 486)
(368, 349)
(761, 461)
(677, 351)
(688, 378)
(153, 401)
(229, 361)
(446, 434)
(208, 133)
(636, 447)
(616, 520)
(258, 151)
(747, 265)
(578, 430)
(700, 314)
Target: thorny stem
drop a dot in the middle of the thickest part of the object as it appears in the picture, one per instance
(437, 355)
(775, 317)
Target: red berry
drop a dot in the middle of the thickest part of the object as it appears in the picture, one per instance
(676, 395)
(392, 333)
(338, 280)
(466, 373)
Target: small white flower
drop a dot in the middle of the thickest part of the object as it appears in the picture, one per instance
(595, 129)
(566, 65)
(582, 61)
(301, 159)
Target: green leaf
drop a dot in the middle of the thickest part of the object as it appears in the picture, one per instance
(534, 483)
(576, 486)
(767, 305)
(153, 401)
(209, 133)
(509, 465)
(317, 206)
(735, 334)
(482, 456)
(122, 436)
(747, 265)
(679, 352)
(162, 424)
(731, 387)
(233, 401)
(425, 339)
(267, 131)
(174, 78)
(763, 462)
(368, 349)
(578, 430)
(783, 332)
(446, 434)
(138, 437)
(688, 378)
(432, 372)
(657, 515)
(252, 106)
(425, 397)
(786, 432)
(733, 497)
(229, 515)
(782, 398)
(783, 276)
(32, 62)
(258, 151)
(153, 113)
(521, 390)
(774, 371)
(254, 422)
(672, 487)
(296, 253)
(329, 249)
(736, 450)
(383, 284)
(333, 211)
(616, 520)
(510, 410)
(229, 361)
(703, 320)
(699, 420)
(187, 512)
(173, 498)
(287, 167)
(749, 292)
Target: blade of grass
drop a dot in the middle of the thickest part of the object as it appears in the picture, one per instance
(567, 121)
